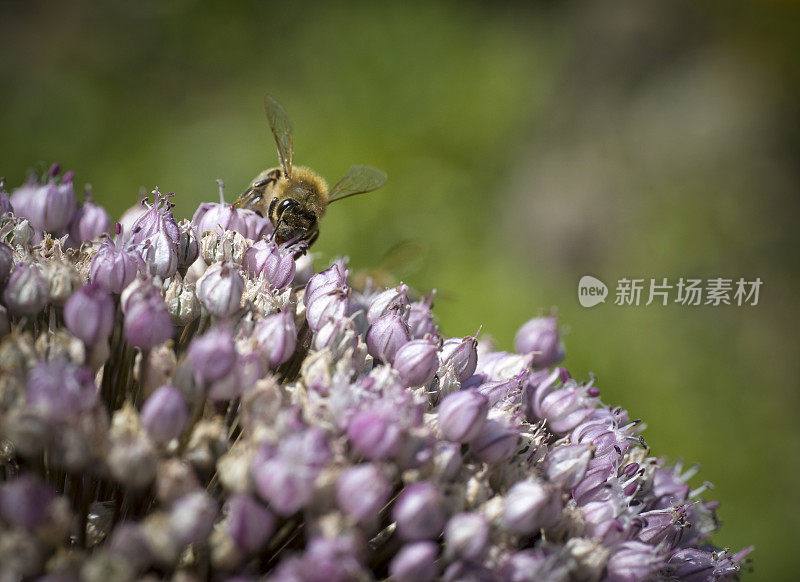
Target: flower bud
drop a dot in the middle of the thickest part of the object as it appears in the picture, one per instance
(466, 536)
(417, 362)
(395, 299)
(362, 491)
(566, 465)
(387, 335)
(220, 290)
(114, 268)
(286, 485)
(27, 291)
(419, 512)
(89, 314)
(337, 335)
(540, 337)
(326, 306)
(5, 203)
(275, 263)
(212, 355)
(131, 458)
(420, 319)
(192, 518)
(462, 354)
(530, 506)
(24, 502)
(157, 218)
(188, 245)
(63, 278)
(332, 278)
(414, 562)
(256, 226)
(373, 435)
(50, 207)
(634, 561)
(277, 337)
(6, 263)
(249, 523)
(219, 217)
(228, 246)
(174, 479)
(164, 414)
(15, 231)
(147, 321)
(89, 222)
(161, 255)
(496, 442)
(462, 415)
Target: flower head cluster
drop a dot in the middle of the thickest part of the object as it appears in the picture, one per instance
(186, 399)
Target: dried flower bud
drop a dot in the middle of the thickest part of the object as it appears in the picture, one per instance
(338, 336)
(220, 290)
(387, 335)
(131, 458)
(374, 436)
(228, 246)
(417, 361)
(496, 442)
(6, 263)
(212, 355)
(164, 414)
(462, 354)
(277, 337)
(272, 261)
(419, 512)
(161, 255)
(530, 506)
(27, 291)
(540, 337)
(249, 523)
(362, 491)
(182, 302)
(89, 222)
(466, 536)
(89, 314)
(64, 280)
(414, 562)
(395, 299)
(462, 415)
(174, 478)
(188, 245)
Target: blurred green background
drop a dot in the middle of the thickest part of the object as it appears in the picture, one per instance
(526, 144)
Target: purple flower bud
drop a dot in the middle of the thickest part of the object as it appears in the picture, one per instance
(696, 565)
(89, 222)
(395, 299)
(164, 414)
(326, 306)
(249, 523)
(420, 319)
(277, 337)
(274, 262)
(188, 245)
(633, 561)
(5, 203)
(219, 217)
(147, 321)
(27, 291)
(414, 562)
(161, 255)
(157, 218)
(24, 502)
(212, 355)
(668, 488)
(462, 415)
(114, 268)
(419, 512)
(530, 506)
(462, 354)
(467, 536)
(286, 485)
(362, 491)
(256, 226)
(387, 335)
(564, 410)
(6, 263)
(417, 361)
(496, 442)
(192, 518)
(220, 290)
(89, 314)
(566, 465)
(58, 390)
(334, 277)
(49, 207)
(540, 337)
(374, 436)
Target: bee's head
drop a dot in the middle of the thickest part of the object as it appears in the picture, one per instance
(293, 221)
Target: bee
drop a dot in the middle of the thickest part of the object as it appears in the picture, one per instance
(295, 198)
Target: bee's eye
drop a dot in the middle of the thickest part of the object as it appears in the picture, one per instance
(284, 205)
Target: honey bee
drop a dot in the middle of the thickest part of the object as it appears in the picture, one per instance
(295, 198)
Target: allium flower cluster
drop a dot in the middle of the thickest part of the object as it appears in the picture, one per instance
(183, 401)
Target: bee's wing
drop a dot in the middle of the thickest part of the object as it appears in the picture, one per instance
(281, 131)
(357, 180)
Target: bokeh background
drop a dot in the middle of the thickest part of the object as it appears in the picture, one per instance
(527, 145)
